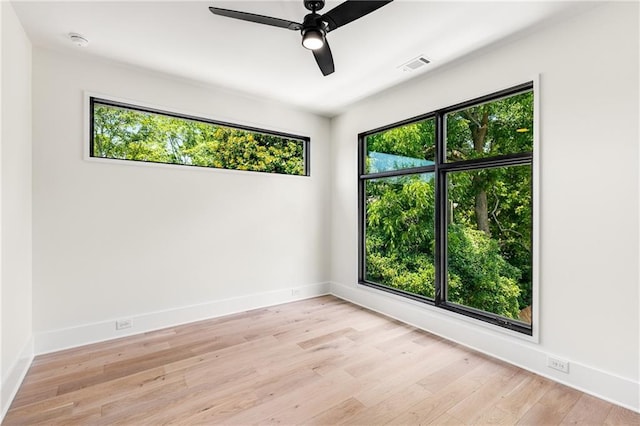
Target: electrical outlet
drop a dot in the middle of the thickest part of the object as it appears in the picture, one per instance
(558, 364)
(295, 292)
(124, 323)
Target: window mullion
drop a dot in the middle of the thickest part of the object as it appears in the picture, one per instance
(440, 213)
(362, 209)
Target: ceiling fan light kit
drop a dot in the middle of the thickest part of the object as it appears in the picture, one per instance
(312, 39)
(314, 27)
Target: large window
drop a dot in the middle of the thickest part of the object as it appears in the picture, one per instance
(127, 132)
(446, 208)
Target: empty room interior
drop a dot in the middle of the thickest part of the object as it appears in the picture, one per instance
(310, 212)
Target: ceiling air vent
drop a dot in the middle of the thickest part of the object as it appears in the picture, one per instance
(414, 64)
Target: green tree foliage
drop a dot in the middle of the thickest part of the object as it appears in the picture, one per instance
(496, 128)
(134, 135)
(400, 233)
(401, 249)
(416, 140)
(489, 232)
(479, 276)
(509, 211)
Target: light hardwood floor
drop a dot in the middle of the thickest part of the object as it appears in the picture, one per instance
(318, 361)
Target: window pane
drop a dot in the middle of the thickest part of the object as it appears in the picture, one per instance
(495, 128)
(131, 134)
(412, 145)
(400, 236)
(489, 240)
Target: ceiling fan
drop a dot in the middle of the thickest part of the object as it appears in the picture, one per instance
(314, 27)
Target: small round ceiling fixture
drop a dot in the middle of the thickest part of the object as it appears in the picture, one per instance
(78, 40)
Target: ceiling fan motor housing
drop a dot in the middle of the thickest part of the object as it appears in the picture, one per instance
(314, 5)
(313, 21)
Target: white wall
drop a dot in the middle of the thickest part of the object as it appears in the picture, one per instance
(589, 303)
(15, 206)
(163, 244)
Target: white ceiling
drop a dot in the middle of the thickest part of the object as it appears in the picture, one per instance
(183, 38)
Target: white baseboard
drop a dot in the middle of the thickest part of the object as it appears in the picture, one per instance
(520, 352)
(55, 340)
(15, 375)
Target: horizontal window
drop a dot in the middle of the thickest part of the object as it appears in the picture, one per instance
(127, 132)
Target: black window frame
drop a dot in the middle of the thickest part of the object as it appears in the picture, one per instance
(440, 169)
(306, 141)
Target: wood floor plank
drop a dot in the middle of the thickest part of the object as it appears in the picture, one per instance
(588, 409)
(338, 413)
(259, 396)
(330, 391)
(447, 367)
(320, 361)
(539, 414)
(622, 417)
(316, 341)
(91, 398)
(431, 408)
(407, 369)
(552, 407)
(523, 396)
(95, 361)
(495, 416)
(484, 399)
(447, 419)
(387, 410)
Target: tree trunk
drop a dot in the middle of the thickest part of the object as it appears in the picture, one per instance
(479, 125)
(482, 211)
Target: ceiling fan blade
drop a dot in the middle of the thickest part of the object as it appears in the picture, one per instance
(259, 19)
(324, 58)
(349, 11)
